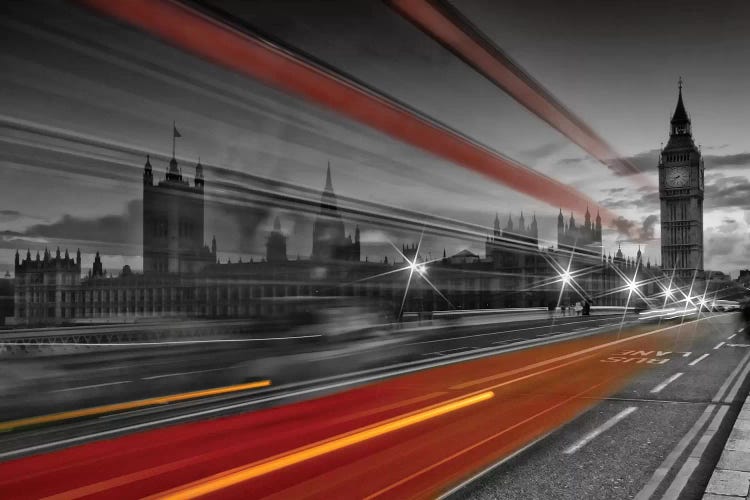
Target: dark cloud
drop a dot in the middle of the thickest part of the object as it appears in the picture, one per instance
(728, 192)
(648, 201)
(646, 232)
(733, 160)
(648, 161)
(645, 162)
(571, 161)
(122, 230)
(623, 226)
(628, 230)
(543, 151)
(9, 215)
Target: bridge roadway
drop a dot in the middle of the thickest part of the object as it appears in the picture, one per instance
(652, 413)
(658, 436)
(66, 378)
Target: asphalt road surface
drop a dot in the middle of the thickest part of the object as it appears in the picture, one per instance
(659, 436)
(611, 410)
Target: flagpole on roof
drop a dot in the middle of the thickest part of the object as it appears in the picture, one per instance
(174, 136)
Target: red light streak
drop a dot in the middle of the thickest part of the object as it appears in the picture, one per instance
(252, 56)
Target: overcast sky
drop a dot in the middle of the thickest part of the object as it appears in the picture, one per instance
(614, 64)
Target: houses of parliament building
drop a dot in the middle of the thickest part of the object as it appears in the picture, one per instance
(182, 276)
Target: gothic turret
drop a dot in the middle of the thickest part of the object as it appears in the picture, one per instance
(199, 174)
(587, 221)
(97, 271)
(148, 173)
(276, 244)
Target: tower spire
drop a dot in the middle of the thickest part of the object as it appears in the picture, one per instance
(175, 135)
(329, 182)
(680, 122)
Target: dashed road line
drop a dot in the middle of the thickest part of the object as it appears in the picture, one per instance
(154, 377)
(661, 386)
(718, 345)
(92, 386)
(656, 479)
(508, 341)
(732, 336)
(442, 353)
(335, 381)
(686, 354)
(599, 430)
(698, 360)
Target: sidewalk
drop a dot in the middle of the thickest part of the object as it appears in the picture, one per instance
(731, 478)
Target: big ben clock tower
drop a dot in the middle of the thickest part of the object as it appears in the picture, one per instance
(681, 195)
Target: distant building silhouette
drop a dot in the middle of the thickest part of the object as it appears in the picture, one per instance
(586, 238)
(276, 244)
(329, 239)
(681, 193)
(173, 222)
(45, 287)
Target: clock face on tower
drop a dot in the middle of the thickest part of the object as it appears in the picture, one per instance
(677, 177)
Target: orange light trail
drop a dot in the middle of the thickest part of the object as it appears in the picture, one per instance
(227, 479)
(129, 405)
(383, 439)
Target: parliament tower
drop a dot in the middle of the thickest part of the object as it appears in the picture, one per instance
(681, 195)
(173, 212)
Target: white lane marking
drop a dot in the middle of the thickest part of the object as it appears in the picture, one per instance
(604, 325)
(732, 336)
(92, 386)
(398, 369)
(154, 377)
(602, 428)
(687, 469)
(698, 360)
(725, 386)
(443, 353)
(653, 484)
(576, 354)
(718, 345)
(169, 342)
(492, 467)
(736, 387)
(661, 386)
(659, 474)
(686, 354)
(506, 341)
